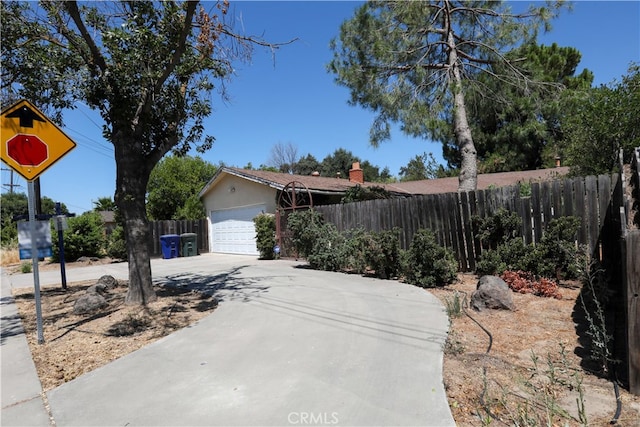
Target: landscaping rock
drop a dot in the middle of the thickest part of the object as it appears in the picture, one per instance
(98, 288)
(88, 259)
(94, 298)
(492, 292)
(89, 302)
(109, 281)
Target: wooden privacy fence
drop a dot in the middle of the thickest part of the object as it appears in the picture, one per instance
(160, 228)
(630, 269)
(450, 215)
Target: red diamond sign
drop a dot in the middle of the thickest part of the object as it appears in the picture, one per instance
(30, 142)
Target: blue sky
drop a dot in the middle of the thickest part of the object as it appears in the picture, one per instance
(290, 98)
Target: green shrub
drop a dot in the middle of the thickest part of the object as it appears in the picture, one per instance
(556, 256)
(328, 250)
(265, 235)
(84, 237)
(9, 234)
(324, 247)
(353, 249)
(497, 228)
(427, 263)
(26, 267)
(490, 263)
(525, 189)
(455, 305)
(306, 228)
(382, 253)
(117, 245)
(359, 193)
(510, 255)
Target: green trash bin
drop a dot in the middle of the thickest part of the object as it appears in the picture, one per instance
(189, 244)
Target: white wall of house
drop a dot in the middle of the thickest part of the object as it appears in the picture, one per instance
(231, 204)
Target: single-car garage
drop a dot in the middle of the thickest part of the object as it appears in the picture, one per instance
(233, 230)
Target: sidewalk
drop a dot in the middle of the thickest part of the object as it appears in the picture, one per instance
(286, 346)
(22, 402)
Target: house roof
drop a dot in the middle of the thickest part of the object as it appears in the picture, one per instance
(278, 180)
(487, 180)
(326, 185)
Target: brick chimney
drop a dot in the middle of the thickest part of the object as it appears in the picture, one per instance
(356, 174)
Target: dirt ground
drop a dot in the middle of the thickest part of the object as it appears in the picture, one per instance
(531, 367)
(76, 344)
(502, 387)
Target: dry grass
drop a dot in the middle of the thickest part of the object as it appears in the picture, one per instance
(9, 256)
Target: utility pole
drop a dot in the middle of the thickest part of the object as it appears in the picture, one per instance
(11, 185)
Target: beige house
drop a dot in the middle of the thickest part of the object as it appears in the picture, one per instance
(233, 197)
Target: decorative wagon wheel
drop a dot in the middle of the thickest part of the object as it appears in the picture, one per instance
(295, 195)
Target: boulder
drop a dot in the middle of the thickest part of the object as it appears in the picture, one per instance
(109, 281)
(492, 292)
(88, 259)
(98, 288)
(89, 302)
(94, 297)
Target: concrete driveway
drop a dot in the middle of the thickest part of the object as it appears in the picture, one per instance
(286, 346)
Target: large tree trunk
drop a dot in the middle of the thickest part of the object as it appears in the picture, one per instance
(468, 178)
(131, 184)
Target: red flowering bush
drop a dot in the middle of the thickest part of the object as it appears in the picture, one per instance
(526, 283)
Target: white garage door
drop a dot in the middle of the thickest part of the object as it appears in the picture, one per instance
(233, 231)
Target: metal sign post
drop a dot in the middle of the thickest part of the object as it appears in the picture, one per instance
(61, 225)
(34, 259)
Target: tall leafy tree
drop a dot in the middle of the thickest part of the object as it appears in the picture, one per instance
(385, 176)
(519, 128)
(147, 67)
(174, 185)
(411, 62)
(421, 167)
(600, 123)
(306, 165)
(372, 172)
(338, 163)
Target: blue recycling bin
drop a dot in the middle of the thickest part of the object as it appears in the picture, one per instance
(170, 244)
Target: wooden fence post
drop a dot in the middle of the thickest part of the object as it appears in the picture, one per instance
(632, 278)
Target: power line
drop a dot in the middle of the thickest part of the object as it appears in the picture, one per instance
(11, 185)
(98, 146)
(92, 145)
